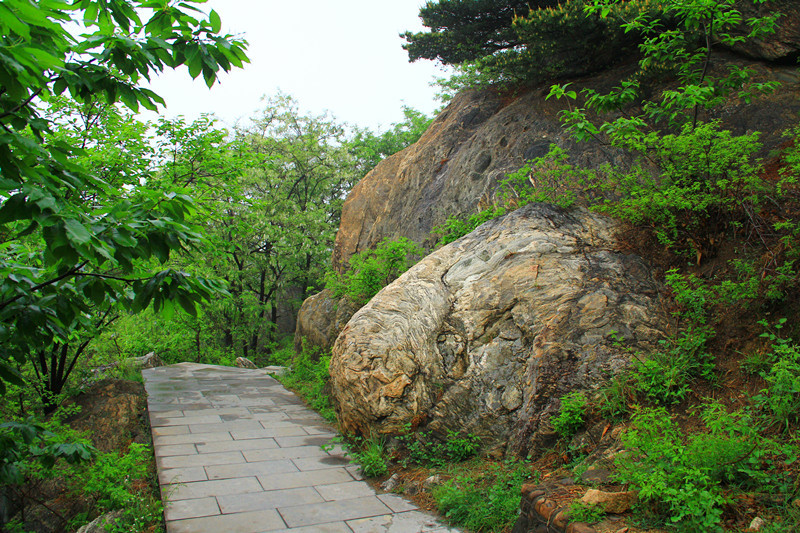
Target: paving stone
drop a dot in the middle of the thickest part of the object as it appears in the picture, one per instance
(288, 431)
(280, 466)
(181, 475)
(410, 522)
(237, 445)
(238, 503)
(170, 430)
(191, 438)
(190, 508)
(284, 453)
(175, 449)
(330, 527)
(319, 463)
(345, 491)
(225, 426)
(321, 513)
(203, 489)
(304, 440)
(304, 479)
(185, 420)
(208, 459)
(254, 522)
(396, 503)
(251, 462)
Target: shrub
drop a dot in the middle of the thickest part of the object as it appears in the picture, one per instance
(372, 457)
(679, 476)
(484, 499)
(371, 270)
(570, 416)
(423, 449)
(456, 227)
(308, 376)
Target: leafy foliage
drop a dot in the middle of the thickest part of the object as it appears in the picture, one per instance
(485, 499)
(371, 456)
(570, 415)
(679, 475)
(308, 376)
(73, 247)
(370, 148)
(371, 270)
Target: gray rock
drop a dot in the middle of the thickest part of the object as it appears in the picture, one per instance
(484, 335)
(151, 360)
(432, 481)
(98, 525)
(244, 362)
(390, 484)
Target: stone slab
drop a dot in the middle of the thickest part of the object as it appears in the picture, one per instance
(293, 480)
(253, 522)
(321, 513)
(280, 466)
(181, 509)
(203, 489)
(238, 503)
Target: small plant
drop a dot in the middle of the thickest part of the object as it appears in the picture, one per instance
(308, 376)
(570, 417)
(484, 498)
(459, 447)
(372, 270)
(581, 512)
(679, 476)
(371, 457)
(455, 227)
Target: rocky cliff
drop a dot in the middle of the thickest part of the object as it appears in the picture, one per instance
(474, 143)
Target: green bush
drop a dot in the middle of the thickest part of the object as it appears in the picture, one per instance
(456, 227)
(679, 476)
(781, 398)
(308, 376)
(372, 270)
(423, 449)
(485, 499)
(371, 455)
(570, 416)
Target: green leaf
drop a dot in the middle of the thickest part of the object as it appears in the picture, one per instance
(77, 232)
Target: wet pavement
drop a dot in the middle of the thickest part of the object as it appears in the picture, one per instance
(238, 453)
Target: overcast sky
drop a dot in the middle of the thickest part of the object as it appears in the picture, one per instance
(343, 56)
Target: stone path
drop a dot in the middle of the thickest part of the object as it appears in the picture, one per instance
(238, 453)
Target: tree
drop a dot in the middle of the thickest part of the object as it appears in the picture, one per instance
(466, 30)
(371, 148)
(74, 245)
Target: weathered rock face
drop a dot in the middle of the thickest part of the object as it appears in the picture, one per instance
(320, 320)
(485, 334)
(784, 43)
(480, 138)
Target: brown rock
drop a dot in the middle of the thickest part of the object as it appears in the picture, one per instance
(244, 362)
(111, 411)
(456, 166)
(612, 502)
(579, 527)
(544, 508)
(784, 43)
(561, 519)
(511, 310)
(320, 320)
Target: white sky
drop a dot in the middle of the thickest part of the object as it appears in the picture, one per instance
(342, 56)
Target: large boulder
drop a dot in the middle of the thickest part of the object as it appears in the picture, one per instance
(320, 320)
(487, 333)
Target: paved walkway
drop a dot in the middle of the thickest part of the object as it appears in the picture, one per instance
(238, 453)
